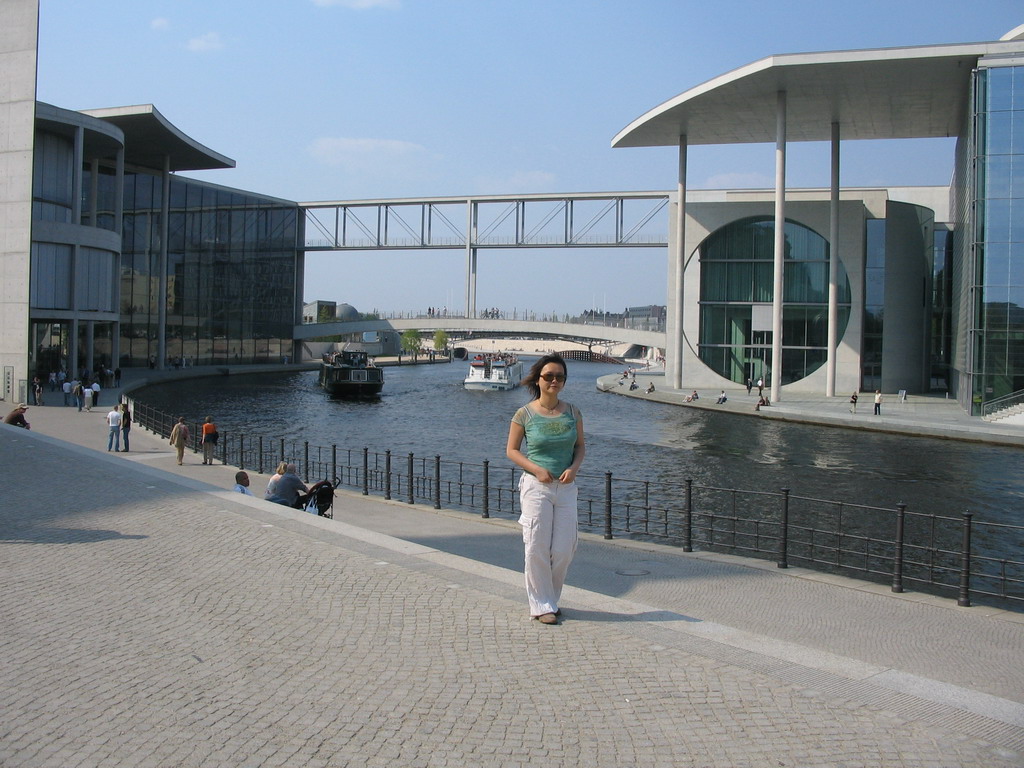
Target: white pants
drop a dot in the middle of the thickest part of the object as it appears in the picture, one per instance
(549, 534)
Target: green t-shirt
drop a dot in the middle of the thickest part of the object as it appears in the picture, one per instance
(550, 440)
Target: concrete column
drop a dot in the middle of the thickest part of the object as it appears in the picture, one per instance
(94, 191)
(472, 283)
(119, 194)
(470, 261)
(833, 269)
(19, 22)
(677, 259)
(780, 243)
(76, 176)
(90, 344)
(74, 364)
(115, 342)
(161, 307)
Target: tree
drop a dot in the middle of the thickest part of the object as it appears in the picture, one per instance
(411, 342)
(325, 315)
(440, 340)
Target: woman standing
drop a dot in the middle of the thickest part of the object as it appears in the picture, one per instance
(179, 438)
(126, 424)
(553, 430)
(210, 436)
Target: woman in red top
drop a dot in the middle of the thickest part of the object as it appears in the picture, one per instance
(209, 439)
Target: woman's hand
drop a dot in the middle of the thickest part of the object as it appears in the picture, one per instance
(543, 476)
(567, 476)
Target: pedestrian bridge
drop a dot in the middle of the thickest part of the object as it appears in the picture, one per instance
(460, 327)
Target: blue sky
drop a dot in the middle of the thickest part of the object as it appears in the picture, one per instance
(355, 99)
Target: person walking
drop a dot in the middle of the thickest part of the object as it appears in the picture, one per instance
(126, 424)
(114, 423)
(760, 386)
(853, 403)
(210, 436)
(179, 438)
(555, 448)
(878, 402)
(87, 395)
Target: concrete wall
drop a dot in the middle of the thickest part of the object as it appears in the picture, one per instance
(908, 283)
(811, 210)
(19, 23)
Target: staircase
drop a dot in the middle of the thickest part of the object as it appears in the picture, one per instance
(1008, 409)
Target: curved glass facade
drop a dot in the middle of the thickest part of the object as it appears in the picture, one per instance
(998, 361)
(736, 273)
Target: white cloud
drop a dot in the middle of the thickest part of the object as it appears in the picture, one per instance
(358, 5)
(209, 42)
(737, 181)
(364, 154)
(159, 23)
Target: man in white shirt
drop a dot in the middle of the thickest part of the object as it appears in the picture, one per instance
(114, 422)
(242, 483)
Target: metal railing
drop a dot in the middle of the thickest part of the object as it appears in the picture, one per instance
(891, 545)
(993, 407)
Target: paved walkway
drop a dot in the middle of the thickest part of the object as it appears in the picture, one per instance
(150, 618)
(924, 415)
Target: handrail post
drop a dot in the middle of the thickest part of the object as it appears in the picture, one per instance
(437, 481)
(897, 561)
(305, 460)
(487, 490)
(688, 518)
(965, 564)
(784, 537)
(366, 471)
(387, 474)
(412, 473)
(334, 462)
(281, 460)
(241, 451)
(261, 455)
(608, 505)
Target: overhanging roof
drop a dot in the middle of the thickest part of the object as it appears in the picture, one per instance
(149, 137)
(888, 93)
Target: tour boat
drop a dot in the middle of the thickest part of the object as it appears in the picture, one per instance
(489, 372)
(350, 374)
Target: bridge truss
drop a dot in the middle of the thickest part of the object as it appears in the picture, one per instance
(584, 220)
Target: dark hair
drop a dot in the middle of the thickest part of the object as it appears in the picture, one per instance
(533, 376)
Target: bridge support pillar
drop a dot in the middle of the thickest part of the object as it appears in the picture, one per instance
(471, 222)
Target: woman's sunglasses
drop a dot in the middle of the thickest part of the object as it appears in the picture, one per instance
(553, 376)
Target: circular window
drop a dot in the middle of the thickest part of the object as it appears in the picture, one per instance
(736, 290)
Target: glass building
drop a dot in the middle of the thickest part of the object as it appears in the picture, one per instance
(229, 292)
(134, 265)
(994, 241)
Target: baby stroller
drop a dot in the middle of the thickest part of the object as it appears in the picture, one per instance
(320, 500)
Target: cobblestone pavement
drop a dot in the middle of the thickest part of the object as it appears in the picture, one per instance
(148, 619)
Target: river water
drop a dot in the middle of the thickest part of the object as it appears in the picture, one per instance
(426, 411)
